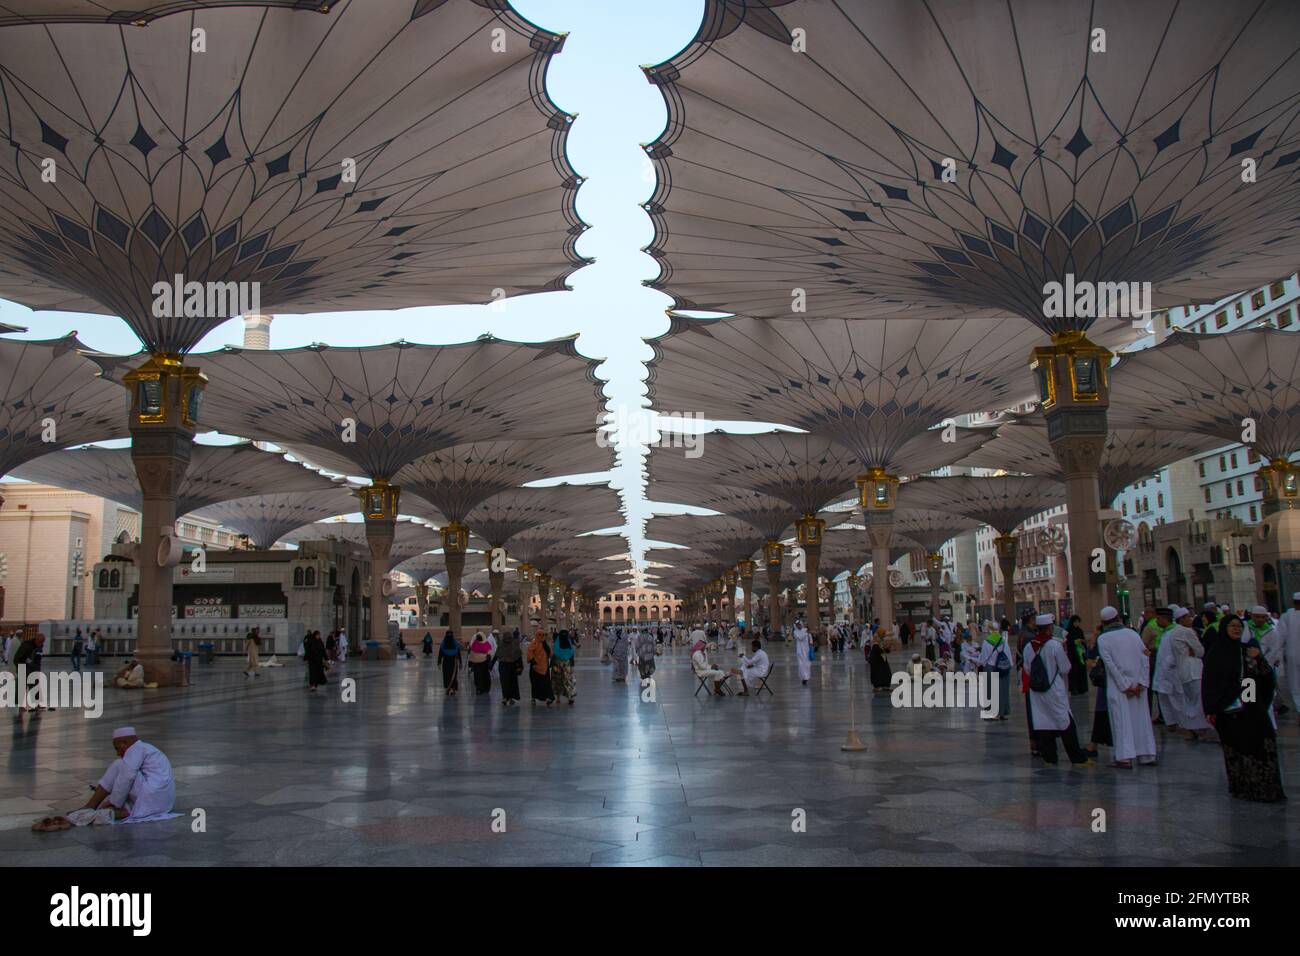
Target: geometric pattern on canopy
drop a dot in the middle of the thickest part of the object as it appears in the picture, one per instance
(1211, 383)
(871, 386)
(406, 400)
(52, 379)
(823, 169)
(586, 548)
(1001, 502)
(216, 473)
(581, 508)
(230, 165)
(528, 545)
(410, 538)
(791, 472)
(772, 516)
(1129, 455)
(931, 529)
(267, 518)
(730, 539)
(456, 480)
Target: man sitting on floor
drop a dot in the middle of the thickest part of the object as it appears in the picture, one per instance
(130, 676)
(138, 784)
(752, 668)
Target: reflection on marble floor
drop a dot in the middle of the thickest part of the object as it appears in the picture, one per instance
(405, 776)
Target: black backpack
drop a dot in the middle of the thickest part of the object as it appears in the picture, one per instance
(1038, 679)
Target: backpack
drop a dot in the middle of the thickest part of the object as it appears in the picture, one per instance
(1038, 679)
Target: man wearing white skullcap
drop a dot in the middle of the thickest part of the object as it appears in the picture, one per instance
(1185, 655)
(1127, 678)
(138, 784)
(1289, 626)
(1050, 704)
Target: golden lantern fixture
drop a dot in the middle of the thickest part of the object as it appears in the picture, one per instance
(1071, 358)
(877, 490)
(379, 500)
(809, 529)
(455, 538)
(746, 569)
(161, 385)
(1281, 479)
(526, 573)
(772, 553)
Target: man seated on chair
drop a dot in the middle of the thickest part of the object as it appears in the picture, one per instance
(752, 668)
(700, 664)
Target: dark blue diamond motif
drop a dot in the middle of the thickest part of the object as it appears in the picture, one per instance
(155, 227)
(217, 151)
(142, 140)
(1078, 144)
(50, 138)
(1002, 156)
(1168, 137)
(1072, 223)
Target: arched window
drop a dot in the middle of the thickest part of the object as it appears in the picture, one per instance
(103, 578)
(297, 577)
(114, 579)
(1243, 554)
(311, 577)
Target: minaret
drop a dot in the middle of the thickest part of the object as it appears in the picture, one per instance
(257, 335)
(257, 331)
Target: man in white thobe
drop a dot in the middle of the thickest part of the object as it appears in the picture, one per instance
(139, 783)
(1186, 652)
(1127, 674)
(1164, 677)
(1264, 629)
(341, 654)
(1289, 626)
(1051, 707)
(802, 641)
(753, 667)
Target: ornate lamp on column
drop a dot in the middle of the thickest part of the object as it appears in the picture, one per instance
(745, 571)
(934, 568)
(379, 509)
(809, 530)
(544, 598)
(526, 575)
(455, 542)
(1074, 391)
(772, 556)
(1008, 549)
(878, 494)
(729, 593)
(166, 399)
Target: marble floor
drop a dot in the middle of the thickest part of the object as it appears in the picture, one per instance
(407, 776)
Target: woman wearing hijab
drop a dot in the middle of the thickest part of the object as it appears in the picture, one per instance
(562, 666)
(1076, 648)
(878, 666)
(313, 652)
(449, 658)
(510, 664)
(1246, 730)
(618, 655)
(480, 663)
(644, 648)
(1101, 735)
(539, 670)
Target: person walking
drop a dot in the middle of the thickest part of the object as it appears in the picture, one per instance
(252, 640)
(539, 670)
(510, 664)
(449, 661)
(562, 681)
(313, 652)
(78, 647)
(480, 663)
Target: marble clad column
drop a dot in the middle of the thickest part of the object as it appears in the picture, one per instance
(772, 557)
(1074, 392)
(165, 401)
(809, 530)
(525, 573)
(746, 571)
(880, 531)
(934, 566)
(379, 504)
(1008, 549)
(544, 597)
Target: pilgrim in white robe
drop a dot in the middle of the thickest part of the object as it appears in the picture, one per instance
(801, 641)
(752, 668)
(141, 781)
(1127, 666)
(1186, 651)
(1166, 684)
(342, 654)
(1051, 708)
(1289, 626)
